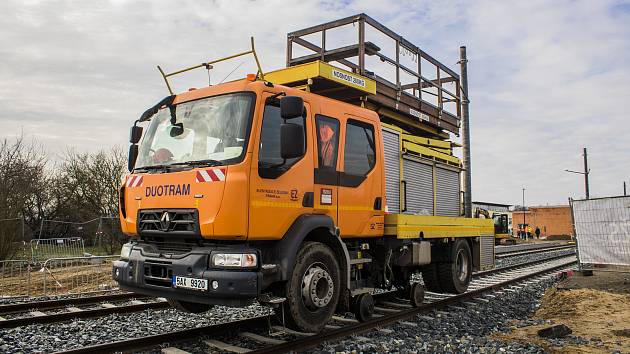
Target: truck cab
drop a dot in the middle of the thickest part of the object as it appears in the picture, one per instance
(225, 173)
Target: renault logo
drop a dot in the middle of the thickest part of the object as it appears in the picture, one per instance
(165, 221)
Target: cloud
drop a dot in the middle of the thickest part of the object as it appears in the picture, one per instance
(546, 78)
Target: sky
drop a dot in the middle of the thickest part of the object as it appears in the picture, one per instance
(546, 78)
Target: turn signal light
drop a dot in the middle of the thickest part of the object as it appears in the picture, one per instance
(251, 77)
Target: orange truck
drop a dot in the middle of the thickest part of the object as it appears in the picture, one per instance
(303, 189)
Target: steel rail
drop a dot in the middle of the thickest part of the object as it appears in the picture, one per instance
(59, 303)
(309, 342)
(537, 250)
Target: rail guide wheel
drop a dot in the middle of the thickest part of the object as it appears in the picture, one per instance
(416, 295)
(364, 307)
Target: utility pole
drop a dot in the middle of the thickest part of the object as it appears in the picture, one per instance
(465, 132)
(585, 173)
(624, 189)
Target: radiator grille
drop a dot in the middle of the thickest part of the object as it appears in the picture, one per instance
(168, 221)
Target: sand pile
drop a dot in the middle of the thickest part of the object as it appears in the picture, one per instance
(600, 321)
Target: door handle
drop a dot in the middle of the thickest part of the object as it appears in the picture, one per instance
(378, 203)
(308, 201)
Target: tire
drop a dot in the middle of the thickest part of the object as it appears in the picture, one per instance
(431, 279)
(190, 307)
(313, 290)
(455, 275)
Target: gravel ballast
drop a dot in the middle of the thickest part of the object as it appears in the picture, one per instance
(462, 329)
(63, 336)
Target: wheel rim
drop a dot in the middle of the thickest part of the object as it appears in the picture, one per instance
(317, 287)
(461, 265)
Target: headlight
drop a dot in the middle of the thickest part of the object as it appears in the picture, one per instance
(125, 251)
(236, 260)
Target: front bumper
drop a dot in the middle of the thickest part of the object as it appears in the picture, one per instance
(150, 273)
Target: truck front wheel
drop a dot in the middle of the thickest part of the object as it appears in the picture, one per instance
(313, 289)
(455, 275)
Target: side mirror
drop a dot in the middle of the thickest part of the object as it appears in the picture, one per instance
(291, 140)
(177, 130)
(291, 107)
(135, 135)
(133, 155)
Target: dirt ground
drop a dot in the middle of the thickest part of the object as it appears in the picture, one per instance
(72, 279)
(596, 308)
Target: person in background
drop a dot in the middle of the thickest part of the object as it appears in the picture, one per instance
(537, 232)
(529, 232)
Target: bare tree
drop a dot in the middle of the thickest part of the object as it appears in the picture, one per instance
(22, 169)
(83, 186)
(89, 184)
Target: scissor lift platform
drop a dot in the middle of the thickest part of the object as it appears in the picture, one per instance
(405, 102)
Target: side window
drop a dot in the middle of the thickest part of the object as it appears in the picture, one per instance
(359, 151)
(327, 142)
(270, 163)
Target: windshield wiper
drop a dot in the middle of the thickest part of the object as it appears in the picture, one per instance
(164, 168)
(207, 162)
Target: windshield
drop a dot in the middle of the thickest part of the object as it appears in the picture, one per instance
(210, 129)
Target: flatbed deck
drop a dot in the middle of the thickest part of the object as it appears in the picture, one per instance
(414, 226)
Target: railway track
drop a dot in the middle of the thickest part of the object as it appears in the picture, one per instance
(265, 338)
(22, 314)
(533, 251)
(27, 313)
(527, 247)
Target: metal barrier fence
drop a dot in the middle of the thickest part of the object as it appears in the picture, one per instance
(602, 229)
(15, 278)
(57, 276)
(43, 249)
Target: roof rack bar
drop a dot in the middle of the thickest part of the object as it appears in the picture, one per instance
(208, 65)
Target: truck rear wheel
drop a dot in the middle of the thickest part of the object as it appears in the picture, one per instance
(313, 290)
(455, 275)
(190, 307)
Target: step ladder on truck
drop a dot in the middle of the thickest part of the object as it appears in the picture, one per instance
(304, 188)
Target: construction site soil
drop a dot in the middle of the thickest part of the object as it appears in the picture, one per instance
(596, 308)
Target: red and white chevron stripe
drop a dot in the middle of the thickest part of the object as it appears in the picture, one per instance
(134, 181)
(211, 175)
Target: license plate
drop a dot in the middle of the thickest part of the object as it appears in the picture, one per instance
(190, 283)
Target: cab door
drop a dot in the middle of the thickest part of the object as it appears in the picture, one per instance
(325, 165)
(279, 190)
(361, 190)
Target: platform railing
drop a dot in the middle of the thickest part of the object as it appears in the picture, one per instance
(428, 75)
